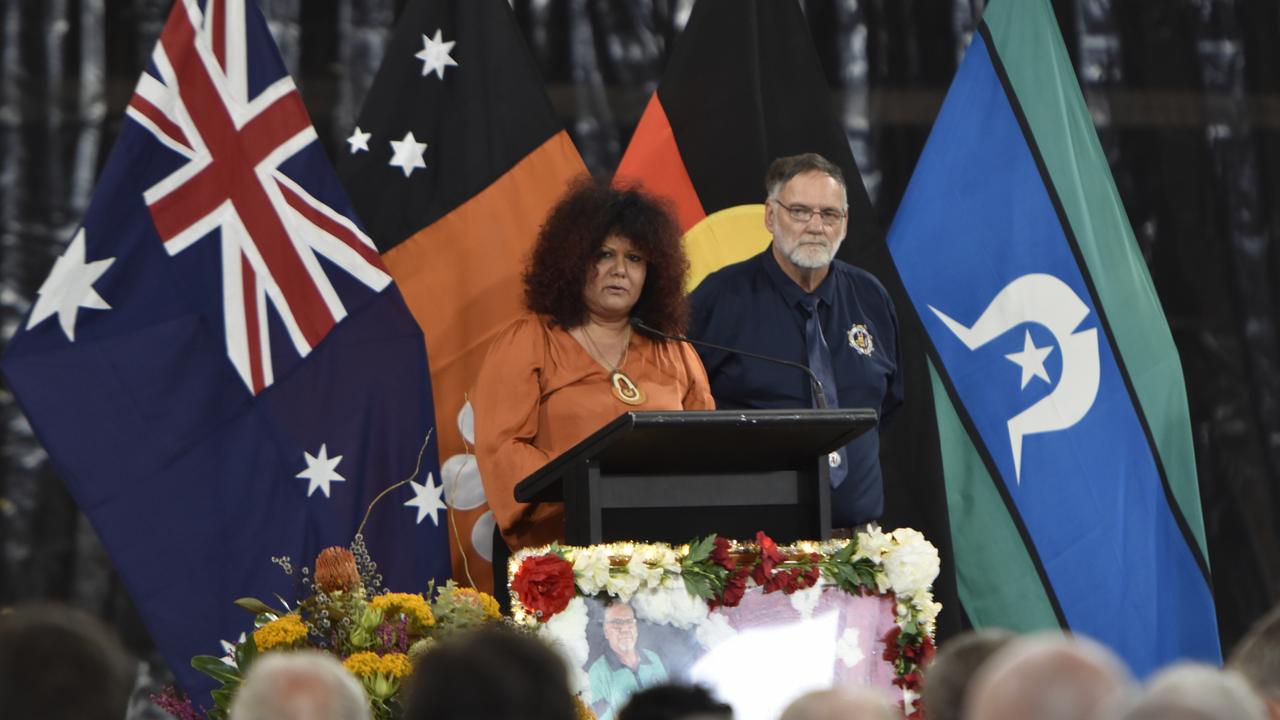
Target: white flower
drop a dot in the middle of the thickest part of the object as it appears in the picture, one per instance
(926, 609)
(670, 605)
(911, 563)
(566, 632)
(591, 569)
(806, 600)
(650, 562)
(623, 585)
(714, 631)
(872, 543)
(849, 648)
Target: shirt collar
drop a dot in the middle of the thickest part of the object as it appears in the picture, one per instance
(790, 291)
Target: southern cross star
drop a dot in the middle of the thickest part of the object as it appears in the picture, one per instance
(427, 499)
(435, 55)
(69, 287)
(321, 470)
(407, 154)
(359, 141)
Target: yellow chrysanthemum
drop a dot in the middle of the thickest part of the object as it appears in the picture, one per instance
(413, 605)
(396, 665)
(482, 600)
(582, 711)
(286, 631)
(363, 664)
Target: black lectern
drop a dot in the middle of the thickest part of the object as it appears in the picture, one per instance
(673, 476)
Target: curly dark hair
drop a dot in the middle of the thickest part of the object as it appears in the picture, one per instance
(588, 213)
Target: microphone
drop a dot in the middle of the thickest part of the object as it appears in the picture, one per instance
(818, 394)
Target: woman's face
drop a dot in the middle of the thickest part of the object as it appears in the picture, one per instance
(614, 279)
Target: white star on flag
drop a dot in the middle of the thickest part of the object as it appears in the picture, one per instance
(1031, 360)
(407, 154)
(69, 287)
(427, 497)
(359, 141)
(435, 55)
(321, 470)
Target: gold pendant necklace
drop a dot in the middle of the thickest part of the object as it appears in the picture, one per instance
(624, 388)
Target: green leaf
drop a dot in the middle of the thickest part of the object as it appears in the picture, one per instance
(256, 606)
(246, 653)
(216, 669)
(700, 550)
(698, 585)
(223, 696)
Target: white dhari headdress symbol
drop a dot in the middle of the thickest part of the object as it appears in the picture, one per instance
(1047, 301)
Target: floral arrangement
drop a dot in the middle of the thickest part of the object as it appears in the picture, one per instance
(345, 611)
(681, 585)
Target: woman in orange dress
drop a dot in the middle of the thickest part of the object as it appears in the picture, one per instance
(573, 362)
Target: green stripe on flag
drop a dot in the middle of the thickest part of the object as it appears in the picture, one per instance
(1063, 130)
(997, 580)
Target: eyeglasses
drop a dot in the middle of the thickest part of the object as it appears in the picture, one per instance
(803, 213)
(620, 624)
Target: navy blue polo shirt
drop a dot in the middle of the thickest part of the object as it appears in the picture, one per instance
(754, 306)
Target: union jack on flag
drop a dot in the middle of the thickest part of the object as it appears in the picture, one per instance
(200, 105)
(219, 365)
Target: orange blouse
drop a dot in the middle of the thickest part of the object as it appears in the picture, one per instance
(539, 393)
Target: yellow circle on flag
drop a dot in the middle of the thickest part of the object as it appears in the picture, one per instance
(723, 238)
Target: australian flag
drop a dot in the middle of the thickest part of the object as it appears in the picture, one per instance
(219, 365)
(1060, 400)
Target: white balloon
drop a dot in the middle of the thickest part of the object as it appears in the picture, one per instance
(462, 487)
(482, 536)
(467, 422)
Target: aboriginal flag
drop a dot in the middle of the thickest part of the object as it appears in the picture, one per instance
(454, 163)
(744, 86)
(1060, 399)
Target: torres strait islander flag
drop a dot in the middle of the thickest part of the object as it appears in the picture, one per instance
(743, 87)
(1060, 399)
(455, 161)
(219, 365)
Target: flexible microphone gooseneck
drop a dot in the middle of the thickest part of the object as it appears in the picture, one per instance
(819, 396)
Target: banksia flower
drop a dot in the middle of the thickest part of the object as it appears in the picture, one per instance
(336, 570)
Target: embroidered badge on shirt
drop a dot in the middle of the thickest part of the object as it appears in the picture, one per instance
(861, 340)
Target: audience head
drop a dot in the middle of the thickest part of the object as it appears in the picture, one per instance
(490, 673)
(675, 702)
(846, 702)
(1257, 658)
(1192, 691)
(1048, 676)
(947, 680)
(57, 662)
(301, 685)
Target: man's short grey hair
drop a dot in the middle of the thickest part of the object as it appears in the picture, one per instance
(1194, 691)
(1257, 656)
(1048, 676)
(782, 170)
(847, 702)
(301, 685)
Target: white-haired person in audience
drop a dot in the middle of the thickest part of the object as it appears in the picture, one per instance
(1257, 658)
(1193, 691)
(846, 702)
(948, 679)
(1047, 676)
(301, 685)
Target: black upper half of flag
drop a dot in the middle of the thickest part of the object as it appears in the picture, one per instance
(744, 86)
(459, 77)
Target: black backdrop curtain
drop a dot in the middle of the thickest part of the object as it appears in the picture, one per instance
(1185, 95)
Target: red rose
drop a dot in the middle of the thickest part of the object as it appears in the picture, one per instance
(544, 584)
(720, 554)
(769, 558)
(891, 643)
(734, 588)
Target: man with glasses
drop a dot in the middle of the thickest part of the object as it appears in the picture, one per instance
(796, 301)
(625, 667)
